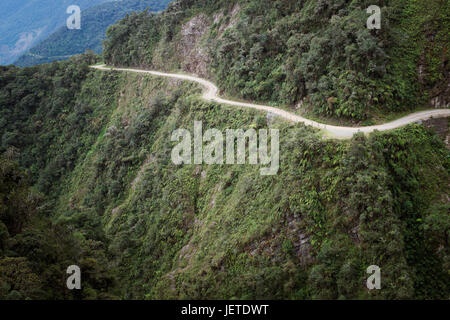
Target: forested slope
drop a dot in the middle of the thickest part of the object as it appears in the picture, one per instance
(104, 194)
(44, 117)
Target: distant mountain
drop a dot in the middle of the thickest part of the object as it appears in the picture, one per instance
(64, 42)
(23, 23)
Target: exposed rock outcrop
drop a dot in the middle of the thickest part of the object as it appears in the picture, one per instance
(195, 57)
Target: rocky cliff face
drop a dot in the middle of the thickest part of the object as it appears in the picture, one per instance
(193, 55)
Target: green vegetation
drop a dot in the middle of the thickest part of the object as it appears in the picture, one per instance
(35, 253)
(313, 53)
(43, 117)
(106, 196)
(86, 176)
(65, 43)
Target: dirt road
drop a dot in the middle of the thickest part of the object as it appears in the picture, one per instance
(210, 94)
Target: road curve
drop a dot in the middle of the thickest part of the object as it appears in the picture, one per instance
(210, 94)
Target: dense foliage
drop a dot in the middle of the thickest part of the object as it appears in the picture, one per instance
(35, 253)
(317, 55)
(106, 196)
(65, 43)
(46, 126)
(86, 176)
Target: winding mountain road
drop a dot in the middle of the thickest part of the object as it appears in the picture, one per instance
(210, 94)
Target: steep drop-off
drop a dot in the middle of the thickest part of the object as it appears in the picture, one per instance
(98, 148)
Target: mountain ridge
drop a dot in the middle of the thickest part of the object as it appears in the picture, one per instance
(64, 43)
(26, 22)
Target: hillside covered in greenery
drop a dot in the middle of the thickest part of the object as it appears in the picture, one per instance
(87, 179)
(86, 176)
(64, 43)
(316, 57)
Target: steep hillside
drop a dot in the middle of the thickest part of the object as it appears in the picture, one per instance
(64, 42)
(23, 23)
(35, 103)
(87, 177)
(314, 57)
(97, 146)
